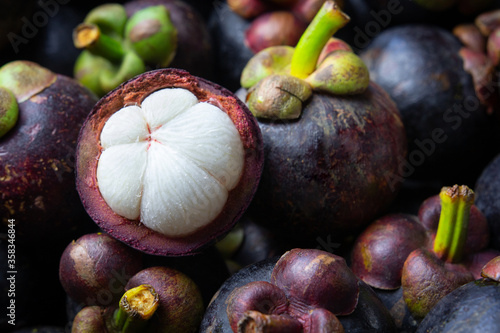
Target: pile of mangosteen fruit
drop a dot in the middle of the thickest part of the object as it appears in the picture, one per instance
(236, 166)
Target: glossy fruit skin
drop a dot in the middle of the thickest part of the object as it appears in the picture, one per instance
(488, 199)
(38, 159)
(333, 169)
(449, 131)
(472, 308)
(95, 268)
(136, 234)
(369, 316)
(181, 306)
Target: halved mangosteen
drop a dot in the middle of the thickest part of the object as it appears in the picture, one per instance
(168, 162)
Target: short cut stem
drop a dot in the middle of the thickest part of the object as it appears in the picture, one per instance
(327, 21)
(137, 306)
(90, 37)
(451, 234)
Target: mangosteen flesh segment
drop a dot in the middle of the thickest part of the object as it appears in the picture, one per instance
(161, 159)
(307, 289)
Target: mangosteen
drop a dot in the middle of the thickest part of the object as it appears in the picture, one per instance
(122, 41)
(446, 96)
(488, 198)
(95, 268)
(180, 306)
(168, 162)
(273, 292)
(37, 154)
(332, 138)
(157, 299)
(474, 307)
(414, 261)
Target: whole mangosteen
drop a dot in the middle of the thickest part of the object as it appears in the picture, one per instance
(44, 113)
(95, 268)
(414, 261)
(168, 162)
(332, 138)
(446, 96)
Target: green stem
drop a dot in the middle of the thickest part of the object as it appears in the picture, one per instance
(89, 36)
(327, 21)
(451, 234)
(137, 306)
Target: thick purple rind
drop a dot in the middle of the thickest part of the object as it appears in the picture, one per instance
(37, 165)
(134, 233)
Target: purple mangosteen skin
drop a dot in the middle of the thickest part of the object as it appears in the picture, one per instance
(448, 129)
(95, 268)
(331, 171)
(136, 234)
(488, 199)
(37, 159)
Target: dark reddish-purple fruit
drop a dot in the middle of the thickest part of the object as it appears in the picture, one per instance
(287, 292)
(95, 268)
(446, 105)
(272, 29)
(180, 302)
(428, 255)
(343, 153)
(38, 155)
(204, 153)
(328, 131)
(488, 198)
(381, 249)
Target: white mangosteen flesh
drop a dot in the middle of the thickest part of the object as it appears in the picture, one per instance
(170, 162)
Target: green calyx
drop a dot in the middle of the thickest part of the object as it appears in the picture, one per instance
(117, 48)
(451, 234)
(9, 111)
(19, 81)
(341, 73)
(151, 34)
(278, 97)
(136, 307)
(319, 61)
